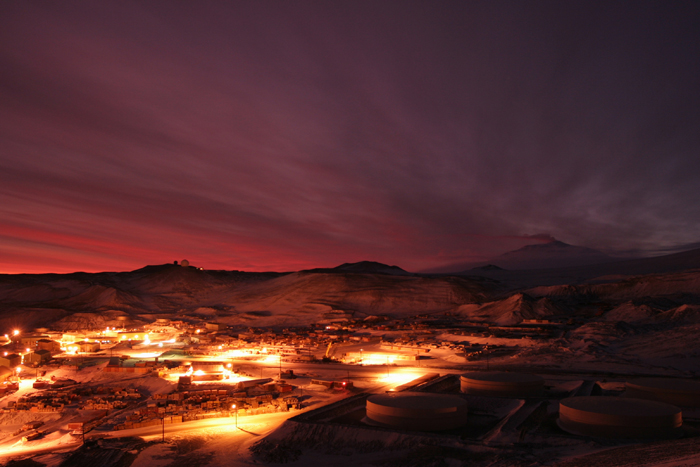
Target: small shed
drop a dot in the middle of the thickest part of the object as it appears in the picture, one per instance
(215, 326)
(37, 358)
(5, 373)
(12, 360)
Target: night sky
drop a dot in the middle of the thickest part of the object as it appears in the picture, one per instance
(264, 135)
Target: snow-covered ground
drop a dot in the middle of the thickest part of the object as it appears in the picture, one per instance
(218, 442)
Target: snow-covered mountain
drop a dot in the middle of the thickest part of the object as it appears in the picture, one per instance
(550, 255)
(554, 254)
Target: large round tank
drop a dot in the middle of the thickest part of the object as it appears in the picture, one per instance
(417, 411)
(618, 417)
(681, 392)
(502, 384)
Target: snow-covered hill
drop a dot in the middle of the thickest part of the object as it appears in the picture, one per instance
(358, 290)
(509, 311)
(234, 297)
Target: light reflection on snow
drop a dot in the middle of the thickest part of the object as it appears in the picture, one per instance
(399, 377)
(147, 355)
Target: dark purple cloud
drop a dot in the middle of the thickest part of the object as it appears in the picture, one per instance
(283, 135)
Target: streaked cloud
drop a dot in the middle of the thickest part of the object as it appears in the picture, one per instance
(278, 135)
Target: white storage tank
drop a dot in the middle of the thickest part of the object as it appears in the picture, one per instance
(417, 411)
(680, 392)
(502, 384)
(619, 417)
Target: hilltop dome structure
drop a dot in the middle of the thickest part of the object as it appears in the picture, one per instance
(680, 392)
(184, 263)
(618, 417)
(502, 384)
(416, 411)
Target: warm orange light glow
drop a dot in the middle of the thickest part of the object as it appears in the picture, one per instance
(15, 332)
(399, 377)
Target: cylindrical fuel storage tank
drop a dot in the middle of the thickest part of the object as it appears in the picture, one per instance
(502, 384)
(417, 411)
(680, 392)
(618, 417)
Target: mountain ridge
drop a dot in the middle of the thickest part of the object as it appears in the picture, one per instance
(489, 294)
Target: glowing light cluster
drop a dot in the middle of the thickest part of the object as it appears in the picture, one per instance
(379, 359)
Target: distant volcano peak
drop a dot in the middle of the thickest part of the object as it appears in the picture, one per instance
(548, 245)
(552, 254)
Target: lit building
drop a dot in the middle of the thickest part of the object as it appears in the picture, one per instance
(86, 346)
(132, 335)
(48, 344)
(31, 341)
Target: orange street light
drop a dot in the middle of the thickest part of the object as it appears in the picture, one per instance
(234, 407)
